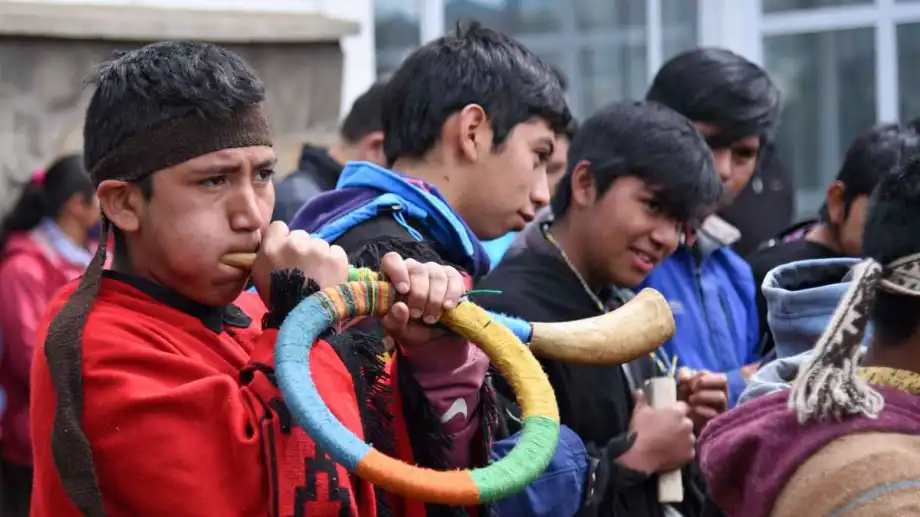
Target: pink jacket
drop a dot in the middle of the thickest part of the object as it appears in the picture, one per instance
(31, 272)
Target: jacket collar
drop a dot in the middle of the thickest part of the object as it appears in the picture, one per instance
(214, 318)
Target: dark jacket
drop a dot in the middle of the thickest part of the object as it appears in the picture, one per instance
(595, 401)
(316, 173)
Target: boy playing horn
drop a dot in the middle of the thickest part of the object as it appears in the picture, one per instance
(154, 392)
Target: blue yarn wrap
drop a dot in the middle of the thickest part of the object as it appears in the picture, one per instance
(300, 330)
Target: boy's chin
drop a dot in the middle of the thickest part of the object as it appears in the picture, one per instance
(220, 294)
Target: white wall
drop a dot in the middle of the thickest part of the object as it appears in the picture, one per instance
(359, 61)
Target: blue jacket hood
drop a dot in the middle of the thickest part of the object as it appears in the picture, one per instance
(365, 190)
(774, 376)
(801, 298)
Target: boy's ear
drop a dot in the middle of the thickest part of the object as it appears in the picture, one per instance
(835, 203)
(473, 133)
(372, 148)
(121, 202)
(584, 189)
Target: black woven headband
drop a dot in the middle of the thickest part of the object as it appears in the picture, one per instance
(180, 140)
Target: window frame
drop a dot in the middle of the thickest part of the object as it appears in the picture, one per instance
(569, 41)
(884, 16)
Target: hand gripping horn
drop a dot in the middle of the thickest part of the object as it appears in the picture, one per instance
(365, 295)
(638, 327)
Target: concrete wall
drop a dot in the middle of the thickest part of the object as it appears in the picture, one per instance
(42, 99)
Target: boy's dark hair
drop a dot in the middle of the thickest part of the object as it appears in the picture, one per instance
(570, 129)
(648, 141)
(146, 88)
(891, 232)
(560, 76)
(65, 178)
(476, 65)
(870, 157)
(718, 87)
(364, 116)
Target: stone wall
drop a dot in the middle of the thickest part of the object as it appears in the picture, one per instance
(42, 98)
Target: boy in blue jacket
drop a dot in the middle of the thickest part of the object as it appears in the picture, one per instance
(470, 123)
(711, 289)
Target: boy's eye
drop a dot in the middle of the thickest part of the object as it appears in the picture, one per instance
(214, 181)
(543, 156)
(744, 155)
(265, 174)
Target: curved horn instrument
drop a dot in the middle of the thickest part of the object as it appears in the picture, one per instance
(638, 327)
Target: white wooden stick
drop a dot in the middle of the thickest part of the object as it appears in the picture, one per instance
(662, 392)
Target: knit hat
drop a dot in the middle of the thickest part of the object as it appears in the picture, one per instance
(827, 385)
(168, 144)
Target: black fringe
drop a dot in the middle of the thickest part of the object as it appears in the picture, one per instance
(489, 422)
(426, 434)
(287, 289)
(428, 440)
(370, 254)
(362, 355)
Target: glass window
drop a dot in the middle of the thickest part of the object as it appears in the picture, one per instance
(396, 32)
(604, 14)
(828, 85)
(600, 45)
(679, 26)
(908, 72)
(773, 6)
(610, 73)
(509, 16)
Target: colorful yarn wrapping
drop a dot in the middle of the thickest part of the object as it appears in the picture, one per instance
(519, 327)
(511, 474)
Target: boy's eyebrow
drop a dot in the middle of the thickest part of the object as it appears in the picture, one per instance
(220, 168)
(267, 163)
(230, 168)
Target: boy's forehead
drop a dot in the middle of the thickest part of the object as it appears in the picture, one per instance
(234, 157)
(536, 126)
(719, 139)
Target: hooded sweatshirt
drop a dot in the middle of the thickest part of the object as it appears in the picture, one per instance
(374, 210)
(33, 266)
(801, 298)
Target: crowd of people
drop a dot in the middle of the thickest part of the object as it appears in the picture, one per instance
(137, 368)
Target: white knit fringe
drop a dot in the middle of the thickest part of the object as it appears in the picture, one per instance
(823, 389)
(829, 392)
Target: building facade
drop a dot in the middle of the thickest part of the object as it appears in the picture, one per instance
(843, 65)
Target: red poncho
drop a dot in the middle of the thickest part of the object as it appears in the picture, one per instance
(186, 420)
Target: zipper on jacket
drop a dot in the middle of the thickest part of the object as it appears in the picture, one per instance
(728, 319)
(698, 280)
